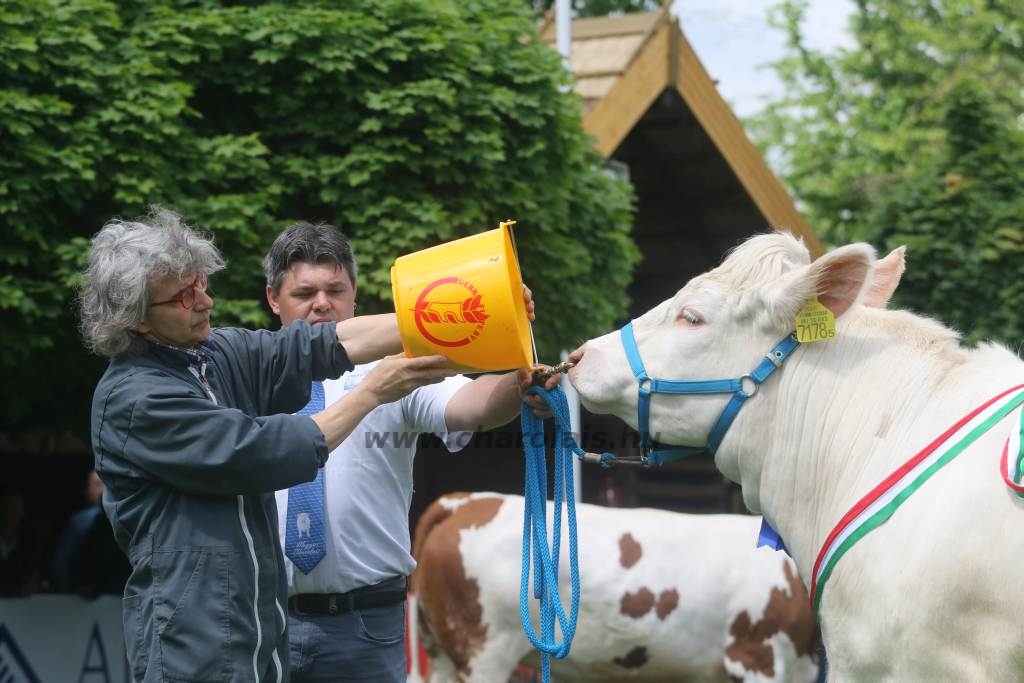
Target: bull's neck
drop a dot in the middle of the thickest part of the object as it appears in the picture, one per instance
(836, 421)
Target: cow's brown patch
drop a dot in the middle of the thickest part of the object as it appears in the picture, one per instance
(748, 646)
(629, 551)
(786, 611)
(667, 601)
(792, 611)
(637, 604)
(431, 517)
(450, 610)
(633, 659)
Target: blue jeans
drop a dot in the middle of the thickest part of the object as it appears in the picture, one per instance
(365, 646)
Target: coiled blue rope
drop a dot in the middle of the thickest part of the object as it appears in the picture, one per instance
(535, 537)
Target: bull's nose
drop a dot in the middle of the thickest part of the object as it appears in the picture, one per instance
(576, 356)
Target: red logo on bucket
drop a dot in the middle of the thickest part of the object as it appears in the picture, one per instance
(449, 317)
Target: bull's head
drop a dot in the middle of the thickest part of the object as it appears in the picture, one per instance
(721, 325)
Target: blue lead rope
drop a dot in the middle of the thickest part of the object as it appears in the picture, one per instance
(535, 536)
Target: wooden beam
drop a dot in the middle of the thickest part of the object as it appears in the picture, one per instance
(726, 132)
(647, 76)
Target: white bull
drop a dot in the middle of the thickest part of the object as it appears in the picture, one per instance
(303, 524)
(935, 592)
(664, 596)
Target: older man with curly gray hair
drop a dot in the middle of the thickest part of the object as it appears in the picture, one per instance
(193, 431)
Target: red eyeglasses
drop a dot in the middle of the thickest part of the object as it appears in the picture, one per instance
(187, 296)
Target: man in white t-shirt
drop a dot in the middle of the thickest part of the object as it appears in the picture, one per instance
(346, 613)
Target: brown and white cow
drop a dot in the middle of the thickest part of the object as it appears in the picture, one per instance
(839, 437)
(664, 596)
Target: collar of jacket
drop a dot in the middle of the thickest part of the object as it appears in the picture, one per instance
(197, 356)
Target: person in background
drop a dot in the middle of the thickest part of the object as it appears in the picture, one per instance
(347, 588)
(99, 565)
(193, 429)
(79, 525)
(20, 547)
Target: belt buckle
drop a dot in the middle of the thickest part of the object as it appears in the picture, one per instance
(332, 604)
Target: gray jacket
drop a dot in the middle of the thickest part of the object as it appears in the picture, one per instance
(190, 486)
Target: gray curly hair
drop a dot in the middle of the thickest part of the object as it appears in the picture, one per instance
(125, 257)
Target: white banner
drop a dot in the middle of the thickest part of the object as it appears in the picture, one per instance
(62, 639)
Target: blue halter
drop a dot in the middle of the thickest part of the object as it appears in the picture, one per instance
(772, 360)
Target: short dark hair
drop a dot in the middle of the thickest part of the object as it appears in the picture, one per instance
(308, 243)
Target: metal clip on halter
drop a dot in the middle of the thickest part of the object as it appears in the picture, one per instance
(544, 373)
(610, 460)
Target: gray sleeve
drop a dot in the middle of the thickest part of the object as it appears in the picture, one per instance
(276, 368)
(191, 444)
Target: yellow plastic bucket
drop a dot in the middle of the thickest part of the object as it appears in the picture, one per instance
(464, 300)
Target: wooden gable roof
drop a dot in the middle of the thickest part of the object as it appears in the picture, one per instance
(624, 65)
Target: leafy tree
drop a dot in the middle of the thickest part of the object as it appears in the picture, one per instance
(404, 122)
(916, 136)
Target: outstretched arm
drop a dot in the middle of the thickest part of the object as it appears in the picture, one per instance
(390, 380)
(493, 400)
(370, 337)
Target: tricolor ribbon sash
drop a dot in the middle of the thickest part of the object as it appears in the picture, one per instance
(881, 502)
(1013, 471)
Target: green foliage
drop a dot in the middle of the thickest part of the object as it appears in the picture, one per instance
(404, 122)
(916, 137)
(601, 8)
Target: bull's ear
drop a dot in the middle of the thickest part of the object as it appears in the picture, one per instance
(888, 272)
(838, 279)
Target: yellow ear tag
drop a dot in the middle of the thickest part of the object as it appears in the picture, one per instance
(814, 323)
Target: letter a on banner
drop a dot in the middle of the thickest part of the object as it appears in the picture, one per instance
(93, 671)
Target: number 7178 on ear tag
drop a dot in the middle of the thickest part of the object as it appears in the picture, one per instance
(814, 323)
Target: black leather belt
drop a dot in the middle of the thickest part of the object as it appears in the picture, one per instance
(384, 594)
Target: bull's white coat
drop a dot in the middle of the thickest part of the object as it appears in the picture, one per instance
(935, 594)
(709, 560)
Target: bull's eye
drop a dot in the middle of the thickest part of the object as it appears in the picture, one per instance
(690, 317)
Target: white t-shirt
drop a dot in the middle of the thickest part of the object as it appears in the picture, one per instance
(368, 488)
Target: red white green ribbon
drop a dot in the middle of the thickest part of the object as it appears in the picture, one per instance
(881, 502)
(1012, 464)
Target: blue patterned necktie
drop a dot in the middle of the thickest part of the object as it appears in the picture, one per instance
(305, 537)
